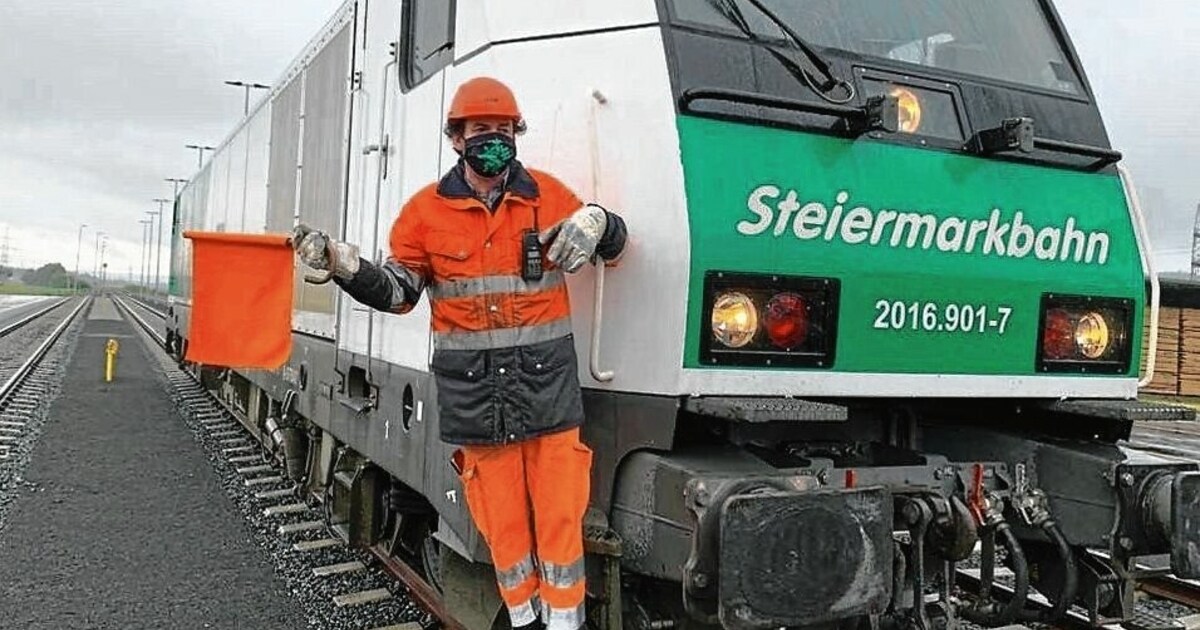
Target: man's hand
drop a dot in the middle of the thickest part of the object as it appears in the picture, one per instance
(573, 241)
(318, 251)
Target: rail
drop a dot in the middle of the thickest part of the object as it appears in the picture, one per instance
(146, 306)
(13, 327)
(14, 381)
(158, 338)
(420, 590)
(1169, 587)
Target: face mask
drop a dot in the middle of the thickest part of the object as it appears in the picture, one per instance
(490, 153)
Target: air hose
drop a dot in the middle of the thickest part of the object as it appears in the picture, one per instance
(987, 612)
(1070, 583)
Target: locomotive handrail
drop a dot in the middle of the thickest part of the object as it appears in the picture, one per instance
(1106, 156)
(603, 376)
(881, 112)
(1147, 255)
(1017, 134)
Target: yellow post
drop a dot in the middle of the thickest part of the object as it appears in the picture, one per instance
(110, 358)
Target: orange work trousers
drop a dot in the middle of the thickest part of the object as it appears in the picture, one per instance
(528, 501)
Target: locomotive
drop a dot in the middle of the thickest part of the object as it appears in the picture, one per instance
(881, 308)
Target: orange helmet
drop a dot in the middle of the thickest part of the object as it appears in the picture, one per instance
(483, 96)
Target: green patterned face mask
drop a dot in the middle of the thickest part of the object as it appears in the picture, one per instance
(490, 153)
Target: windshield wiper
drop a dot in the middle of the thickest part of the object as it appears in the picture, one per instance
(732, 12)
(881, 112)
(1017, 135)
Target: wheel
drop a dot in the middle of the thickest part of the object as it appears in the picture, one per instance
(430, 551)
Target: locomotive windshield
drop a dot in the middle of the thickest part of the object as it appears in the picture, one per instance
(1007, 40)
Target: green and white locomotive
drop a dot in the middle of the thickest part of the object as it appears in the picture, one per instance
(883, 301)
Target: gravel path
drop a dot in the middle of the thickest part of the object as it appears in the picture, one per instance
(315, 594)
(118, 522)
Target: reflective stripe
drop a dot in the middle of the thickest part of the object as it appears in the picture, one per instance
(501, 337)
(494, 284)
(400, 277)
(562, 575)
(513, 577)
(562, 618)
(524, 614)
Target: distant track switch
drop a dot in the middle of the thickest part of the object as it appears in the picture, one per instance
(110, 359)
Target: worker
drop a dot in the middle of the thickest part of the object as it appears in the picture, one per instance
(490, 243)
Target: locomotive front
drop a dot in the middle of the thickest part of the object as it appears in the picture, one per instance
(914, 315)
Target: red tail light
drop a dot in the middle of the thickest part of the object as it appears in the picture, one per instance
(1058, 339)
(786, 320)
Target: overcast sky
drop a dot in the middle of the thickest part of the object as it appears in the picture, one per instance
(99, 97)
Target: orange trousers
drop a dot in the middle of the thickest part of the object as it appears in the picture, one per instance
(528, 501)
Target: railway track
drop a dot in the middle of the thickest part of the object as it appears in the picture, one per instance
(1173, 589)
(27, 379)
(21, 323)
(31, 370)
(295, 524)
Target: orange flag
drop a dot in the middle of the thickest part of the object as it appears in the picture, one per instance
(241, 300)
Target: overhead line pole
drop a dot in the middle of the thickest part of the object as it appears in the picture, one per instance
(248, 86)
(200, 149)
(96, 255)
(78, 247)
(158, 245)
(146, 223)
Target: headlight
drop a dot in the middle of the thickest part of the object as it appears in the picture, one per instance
(1085, 334)
(1091, 335)
(910, 109)
(734, 320)
(769, 320)
(931, 111)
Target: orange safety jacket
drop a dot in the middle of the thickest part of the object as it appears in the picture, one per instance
(504, 357)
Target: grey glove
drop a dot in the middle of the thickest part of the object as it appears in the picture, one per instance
(573, 241)
(318, 251)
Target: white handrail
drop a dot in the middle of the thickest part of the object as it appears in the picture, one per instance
(603, 376)
(1147, 256)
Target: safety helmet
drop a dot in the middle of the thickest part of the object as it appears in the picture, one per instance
(483, 96)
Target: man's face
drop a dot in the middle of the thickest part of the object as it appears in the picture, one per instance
(479, 126)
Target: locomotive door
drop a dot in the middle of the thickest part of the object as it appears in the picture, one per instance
(367, 159)
(410, 127)
(310, 145)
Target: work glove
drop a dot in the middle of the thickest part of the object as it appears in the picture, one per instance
(317, 250)
(574, 240)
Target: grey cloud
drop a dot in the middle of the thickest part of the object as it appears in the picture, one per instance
(1136, 55)
(99, 97)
